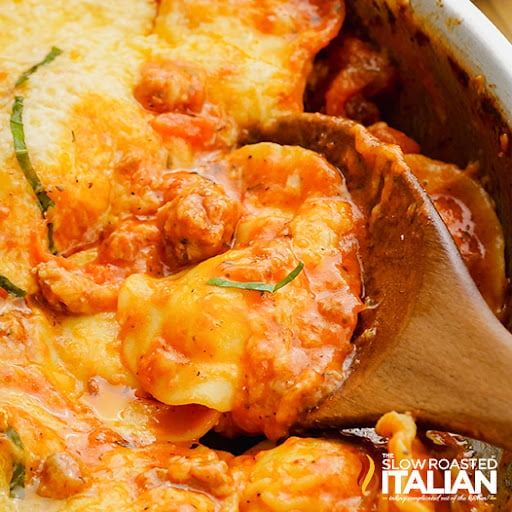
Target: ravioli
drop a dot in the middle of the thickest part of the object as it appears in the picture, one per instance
(263, 357)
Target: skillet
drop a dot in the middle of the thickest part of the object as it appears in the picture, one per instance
(454, 97)
(455, 85)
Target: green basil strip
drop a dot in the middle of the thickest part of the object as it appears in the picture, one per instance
(257, 285)
(20, 148)
(11, 288)
(51, 243)
(13, 436)
(54, 52)
(17, 483)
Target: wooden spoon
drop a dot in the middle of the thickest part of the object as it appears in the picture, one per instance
(429, 345)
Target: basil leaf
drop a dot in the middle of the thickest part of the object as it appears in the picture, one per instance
(20, 149)
(257, 285)
(290, 277)
(11, 288)
(13, 436)
(54, 52)
(17, 483)
(251, 285)
(51, 243)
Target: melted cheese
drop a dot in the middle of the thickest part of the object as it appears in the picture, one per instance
(95, 58)
(262, 357)
(258, 61)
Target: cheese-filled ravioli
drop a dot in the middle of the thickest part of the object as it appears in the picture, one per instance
(261, 330)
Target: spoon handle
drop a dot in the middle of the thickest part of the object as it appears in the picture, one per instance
(428, 344)
(432, 346)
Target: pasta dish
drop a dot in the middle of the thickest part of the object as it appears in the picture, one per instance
(166, 290)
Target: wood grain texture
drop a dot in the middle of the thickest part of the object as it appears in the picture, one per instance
(499, 12)
(431, 346)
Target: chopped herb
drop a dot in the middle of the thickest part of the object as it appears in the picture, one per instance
(20, 148)
(51, 243)
(54, 52)
(13, 436)
(17, 483)
(11, 288)
(256, 285)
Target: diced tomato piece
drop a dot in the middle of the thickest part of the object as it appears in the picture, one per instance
(197, 130)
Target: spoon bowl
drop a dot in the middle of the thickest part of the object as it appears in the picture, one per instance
(428, 344)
